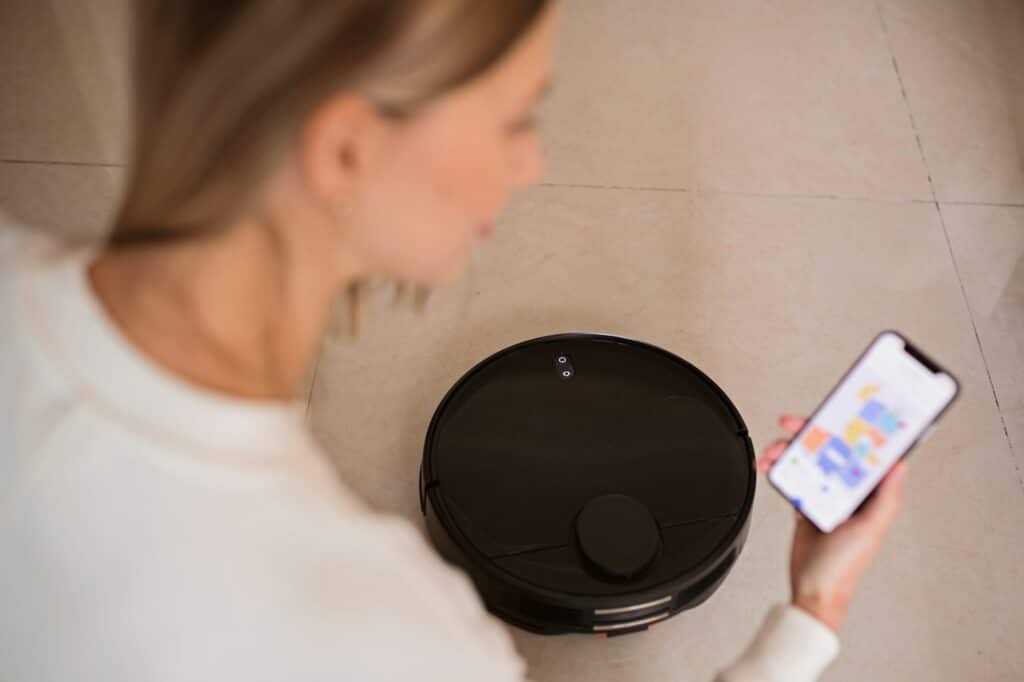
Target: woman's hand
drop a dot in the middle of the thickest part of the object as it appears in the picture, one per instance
(826, 567)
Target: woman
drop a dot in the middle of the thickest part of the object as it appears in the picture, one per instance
(165, 515)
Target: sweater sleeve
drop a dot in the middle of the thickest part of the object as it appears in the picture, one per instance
(792, 646)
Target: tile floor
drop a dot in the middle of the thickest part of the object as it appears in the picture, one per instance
(757, 186)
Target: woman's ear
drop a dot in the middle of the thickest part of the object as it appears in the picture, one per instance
(337, 146)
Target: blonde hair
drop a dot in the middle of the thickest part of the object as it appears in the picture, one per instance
(222, 90)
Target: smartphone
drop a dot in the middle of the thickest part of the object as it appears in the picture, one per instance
(886, 403)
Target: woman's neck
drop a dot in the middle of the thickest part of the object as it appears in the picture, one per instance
(240, 312)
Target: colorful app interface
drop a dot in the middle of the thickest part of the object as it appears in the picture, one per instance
(863, 428)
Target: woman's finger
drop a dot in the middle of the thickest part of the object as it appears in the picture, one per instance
(771, 453)
(882, 509)
(792, 424)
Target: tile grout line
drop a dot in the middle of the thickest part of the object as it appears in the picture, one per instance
(628, 188)
(997, 204)
(769, 195)
(91, 164)
(949, 244)
(731, 193)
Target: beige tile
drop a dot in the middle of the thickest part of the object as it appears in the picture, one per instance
(965, 87)
(75, 201)
(64, 83)
(943, 602)
(787, 97)
(773, 298)
(989, 245)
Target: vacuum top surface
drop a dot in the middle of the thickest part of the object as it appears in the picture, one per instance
(584, 463)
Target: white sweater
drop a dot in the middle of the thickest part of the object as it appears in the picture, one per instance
(152, 531)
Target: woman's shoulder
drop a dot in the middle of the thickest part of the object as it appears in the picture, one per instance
(282, 573)
(382, 584)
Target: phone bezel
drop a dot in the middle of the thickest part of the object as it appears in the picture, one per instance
(915, 352)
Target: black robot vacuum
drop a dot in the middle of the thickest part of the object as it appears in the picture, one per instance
(588, 483)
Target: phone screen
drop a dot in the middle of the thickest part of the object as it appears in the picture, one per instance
(878, 411)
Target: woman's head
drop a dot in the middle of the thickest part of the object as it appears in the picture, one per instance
(390, 130)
